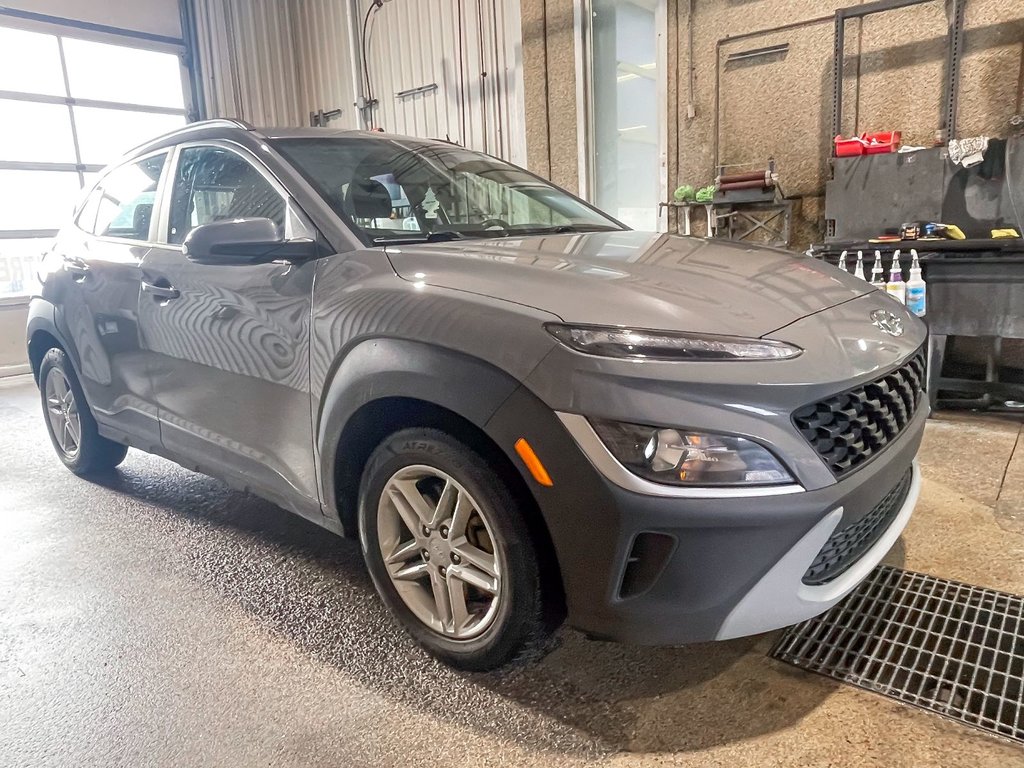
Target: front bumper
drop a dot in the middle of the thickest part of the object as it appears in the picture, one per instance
(722, 567)
(736, 562)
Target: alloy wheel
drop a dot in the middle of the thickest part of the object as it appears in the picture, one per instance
(440, 551)
(62, 412)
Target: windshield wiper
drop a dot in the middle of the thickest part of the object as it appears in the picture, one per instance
(429, 237)
(562, 229)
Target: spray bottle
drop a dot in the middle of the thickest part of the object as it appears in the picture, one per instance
(842, 262)
(917, 290)
(877, 278)
(896, 287)
(858, 271)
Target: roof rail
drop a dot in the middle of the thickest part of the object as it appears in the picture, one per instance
(236, 122)
(228, 122)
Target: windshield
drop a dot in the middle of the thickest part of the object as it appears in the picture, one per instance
(394, 190)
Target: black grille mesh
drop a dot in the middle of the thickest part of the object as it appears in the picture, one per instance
(849, 428)
(846, 545)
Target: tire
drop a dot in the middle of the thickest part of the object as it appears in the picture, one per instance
(87, 452)
(495, 628)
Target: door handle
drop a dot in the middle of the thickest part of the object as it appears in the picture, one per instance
(161, 292)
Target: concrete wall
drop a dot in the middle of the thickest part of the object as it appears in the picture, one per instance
(781, 106)
(549, 79)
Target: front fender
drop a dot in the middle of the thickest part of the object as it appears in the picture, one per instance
(382, 368)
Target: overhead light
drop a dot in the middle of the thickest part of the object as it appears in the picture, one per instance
(632, 128)
(627, 76)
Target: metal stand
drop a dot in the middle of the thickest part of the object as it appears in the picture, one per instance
(742, 221)
(683, 223)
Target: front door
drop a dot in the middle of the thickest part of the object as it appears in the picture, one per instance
(228, 346)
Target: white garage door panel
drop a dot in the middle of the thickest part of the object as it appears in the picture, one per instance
(156, 17)
(74, 98)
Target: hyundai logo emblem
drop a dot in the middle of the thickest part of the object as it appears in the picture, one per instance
(887, 322)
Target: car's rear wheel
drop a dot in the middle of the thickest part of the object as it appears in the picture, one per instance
(449, 551)
(69, 421)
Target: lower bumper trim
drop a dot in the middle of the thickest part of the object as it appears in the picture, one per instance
(780, 597)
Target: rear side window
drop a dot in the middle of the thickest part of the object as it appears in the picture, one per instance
(215, 184)
(122, 204)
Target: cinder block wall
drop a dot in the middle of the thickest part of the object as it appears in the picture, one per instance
(780, 106)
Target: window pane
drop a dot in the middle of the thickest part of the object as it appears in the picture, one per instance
(37, 199)
(106, 134)
(383, 186)
(118, 73)
(214, 184)
(625, 113)
(35, 132)
(19, 262)
(126, 205)
(30, 62)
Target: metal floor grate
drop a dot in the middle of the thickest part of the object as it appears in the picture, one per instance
(944, 646)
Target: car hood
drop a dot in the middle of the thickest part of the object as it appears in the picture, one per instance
(637, 279)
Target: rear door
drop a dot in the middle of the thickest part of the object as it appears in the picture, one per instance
(101, 258)
(228, 346)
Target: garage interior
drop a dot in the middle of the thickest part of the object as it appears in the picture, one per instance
(157, 617)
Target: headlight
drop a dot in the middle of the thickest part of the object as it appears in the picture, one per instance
(685, 457)
(639, 344)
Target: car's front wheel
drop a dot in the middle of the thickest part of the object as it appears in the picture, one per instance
(69, 421)
(449, 551)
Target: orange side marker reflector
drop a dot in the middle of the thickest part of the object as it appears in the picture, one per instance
(532, 462)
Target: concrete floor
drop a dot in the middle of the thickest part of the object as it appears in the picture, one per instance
(158, 618)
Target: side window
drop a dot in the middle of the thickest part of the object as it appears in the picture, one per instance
(122, 204)
(213, 184)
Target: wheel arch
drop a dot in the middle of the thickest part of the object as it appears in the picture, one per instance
(389, 372)
(385, 385)
(42, 334)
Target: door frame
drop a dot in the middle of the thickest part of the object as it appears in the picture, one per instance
(584, 58)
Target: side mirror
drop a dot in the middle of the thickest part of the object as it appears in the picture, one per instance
(244, 241)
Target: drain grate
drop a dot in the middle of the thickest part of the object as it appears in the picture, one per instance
(944, 646)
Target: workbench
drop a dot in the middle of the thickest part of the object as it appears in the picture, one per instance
(975, 289)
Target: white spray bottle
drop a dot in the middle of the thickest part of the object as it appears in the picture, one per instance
(896, 287)
(877, 276)
(917, 289)
(842, 262)
(858, 271)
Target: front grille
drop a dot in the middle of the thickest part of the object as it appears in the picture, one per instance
(845, 546)
(850, 428)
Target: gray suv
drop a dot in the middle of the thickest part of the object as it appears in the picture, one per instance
(525, 411)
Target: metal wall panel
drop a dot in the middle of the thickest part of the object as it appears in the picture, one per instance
(272, 62)
(471, 50)
(247, 61)
(324, 55)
